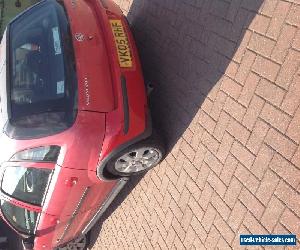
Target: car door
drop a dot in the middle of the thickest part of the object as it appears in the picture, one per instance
(40, 199)
(74, 198)
(43, 199)
(23, 188)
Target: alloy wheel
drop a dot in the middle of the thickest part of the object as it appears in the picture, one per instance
(138, 160)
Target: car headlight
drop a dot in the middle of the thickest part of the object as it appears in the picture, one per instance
(39, 154)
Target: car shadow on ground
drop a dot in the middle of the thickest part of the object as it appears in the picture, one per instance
(185, 48)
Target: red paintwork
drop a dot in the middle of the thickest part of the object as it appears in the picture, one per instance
(94, 134)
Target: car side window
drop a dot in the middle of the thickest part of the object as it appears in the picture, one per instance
(26, 184)
(21, 219)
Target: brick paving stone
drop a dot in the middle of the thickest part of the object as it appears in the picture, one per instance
(261, 44)
(228, 169)
(257, 136)
(202, 176)
(224, 148)
(296, 42)
(213, 163)
(199, 229)
(241, 173)
(216, 184)
(205, 197)
(288, 69)
(272, 213)
(253, 112)
(252, 203)
(290, 221)
(220, 206)
(292, 98)
(278, 17)
(266, 68)
(270, 92)
(230, 87)
(245, 66)
(260, 24)
(234, 109)
(275, 117)
(296, 158)
(268, 7)
(262, 161)
(289, 196)
(221, 125)
(238, 131)
(210, 142)
(227, 101)
(253, 225)
(224, 229)
(285, 170)
(208, 218)
(233, 192)
(232, 68)
(241, 50)
(247, 178)
(294, 15)
(212, 238)
(236, 241)
(294, 130)
(237, 216)
(280, 143)
(249, 89)
(244, 156)
(283, 43)
(222, 244)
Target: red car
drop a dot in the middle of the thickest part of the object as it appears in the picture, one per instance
(75, 119)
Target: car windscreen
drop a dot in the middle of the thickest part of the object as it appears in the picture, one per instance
(26, 184)
(23, 220)
(42, 90)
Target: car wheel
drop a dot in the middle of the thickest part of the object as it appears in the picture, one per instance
(137, 158)
(80, 243)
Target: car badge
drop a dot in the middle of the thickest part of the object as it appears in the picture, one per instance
(79, 37)
(87, 92)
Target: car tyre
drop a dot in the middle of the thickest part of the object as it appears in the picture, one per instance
(138, 158)
(80, 243)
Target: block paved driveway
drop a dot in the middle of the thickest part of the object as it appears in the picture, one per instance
(227, 101)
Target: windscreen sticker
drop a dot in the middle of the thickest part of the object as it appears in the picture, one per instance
(60, 88)
(56, 40)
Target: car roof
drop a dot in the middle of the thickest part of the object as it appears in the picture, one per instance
(4, 147)
(3, 92)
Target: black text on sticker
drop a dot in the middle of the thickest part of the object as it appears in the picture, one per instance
(122, 45)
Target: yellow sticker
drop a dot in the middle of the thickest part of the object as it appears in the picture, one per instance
(122, 44)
